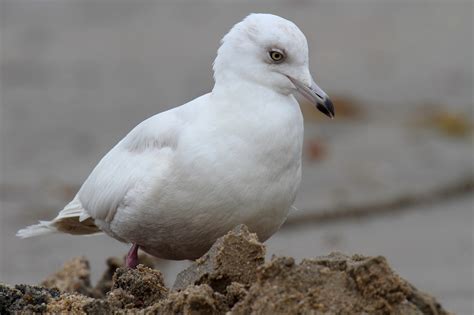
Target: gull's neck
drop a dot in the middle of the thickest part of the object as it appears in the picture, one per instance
(232, 90)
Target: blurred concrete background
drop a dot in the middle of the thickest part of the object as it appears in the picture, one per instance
(392, 175)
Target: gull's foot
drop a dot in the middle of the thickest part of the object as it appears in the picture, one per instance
(131, 261)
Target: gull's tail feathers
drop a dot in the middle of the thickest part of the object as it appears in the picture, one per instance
(43, 228)
(73, 219)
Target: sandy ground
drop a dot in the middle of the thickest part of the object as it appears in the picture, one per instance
(430, 245)
(231, 278)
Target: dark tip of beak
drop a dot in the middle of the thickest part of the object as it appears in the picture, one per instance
(327, 108)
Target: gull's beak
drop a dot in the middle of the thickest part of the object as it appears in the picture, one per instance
(315, 95)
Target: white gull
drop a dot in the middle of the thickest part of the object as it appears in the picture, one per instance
(186, 176)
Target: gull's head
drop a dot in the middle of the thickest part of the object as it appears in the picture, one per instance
(270, 51)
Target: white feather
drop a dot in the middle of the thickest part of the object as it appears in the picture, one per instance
(72, 210)
(42, 228)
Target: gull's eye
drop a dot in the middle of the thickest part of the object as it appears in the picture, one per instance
(276, 56)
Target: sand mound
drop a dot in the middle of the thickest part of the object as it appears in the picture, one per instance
(231, 278)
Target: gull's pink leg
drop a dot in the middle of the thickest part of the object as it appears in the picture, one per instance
(131, 261)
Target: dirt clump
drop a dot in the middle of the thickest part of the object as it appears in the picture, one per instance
(195, 299)
(232, 278)
(104, 285)
(235, 292)
(234, 257)
(73, 277)
(25, 298)
(136, 288)
(73, 303)
(334, 284)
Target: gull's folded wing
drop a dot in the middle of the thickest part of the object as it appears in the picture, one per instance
(138, 160)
